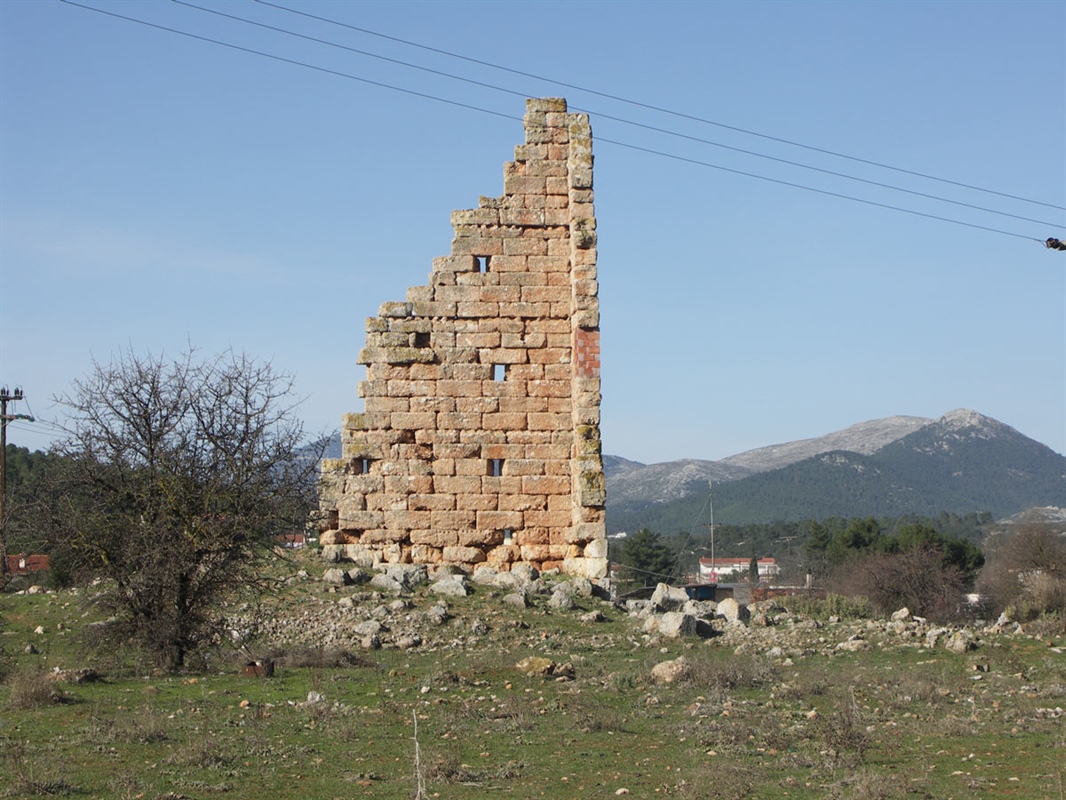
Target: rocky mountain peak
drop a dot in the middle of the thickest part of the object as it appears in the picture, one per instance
(964, 423)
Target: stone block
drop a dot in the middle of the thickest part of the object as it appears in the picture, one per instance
(408, 520)
(499, 520)
(477, 216)
(361, 520)
(394, 309)
(463, 555)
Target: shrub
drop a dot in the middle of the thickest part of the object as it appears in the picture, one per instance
(832, 605)
(1026, 574)
(916, 578)
(33, 689)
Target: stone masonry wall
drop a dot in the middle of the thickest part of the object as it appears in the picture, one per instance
(480, 440)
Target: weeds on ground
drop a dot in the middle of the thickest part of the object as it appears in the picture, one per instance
(28, 778)
(832, 605)
(33, 689)
(842, 734)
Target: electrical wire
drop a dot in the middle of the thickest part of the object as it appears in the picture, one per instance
(601, 115)
(470, 107)
(650, 107)
(699, 163)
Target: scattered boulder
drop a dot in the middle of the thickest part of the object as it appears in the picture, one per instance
(733, 612)
(902, 615)
(358, 575)
(670, 671)
(386, 584)
(536, 665)
(437, 614)
(855, 644)
(369, 628)
(675, 624)
(960, 642)
(516, 599)
(668, 598)
(525, 572)
(561, 600)
(336, 577)
(450, 586)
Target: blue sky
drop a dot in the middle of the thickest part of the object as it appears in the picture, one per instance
(158, 190)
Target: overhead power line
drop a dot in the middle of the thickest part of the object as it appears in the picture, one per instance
(601, 115)
(659, 109)
(813, 189)
(510, 117)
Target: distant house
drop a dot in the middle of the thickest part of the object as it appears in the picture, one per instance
(291, 541)
(23, 564)
(711, 570)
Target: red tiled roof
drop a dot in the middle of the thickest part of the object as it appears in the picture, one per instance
(23, 564)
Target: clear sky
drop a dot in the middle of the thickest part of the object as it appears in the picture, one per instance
(158, 190)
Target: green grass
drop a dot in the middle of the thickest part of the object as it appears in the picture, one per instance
(891, 722)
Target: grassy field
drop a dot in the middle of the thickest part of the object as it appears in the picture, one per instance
(455, 718)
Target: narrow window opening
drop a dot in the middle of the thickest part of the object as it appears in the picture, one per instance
(361, 466)
(334, 519)
(508, 537)
(495, 467)
(499, 372)
(422, 339)
(483, 263)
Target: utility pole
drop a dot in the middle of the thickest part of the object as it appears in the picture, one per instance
(5, 398)
(788, 539)
(710, 503)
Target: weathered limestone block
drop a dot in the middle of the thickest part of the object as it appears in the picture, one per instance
(463, 555)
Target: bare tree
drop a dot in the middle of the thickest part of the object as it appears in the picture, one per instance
(1026, 572)
(179, 474)
(916, 577)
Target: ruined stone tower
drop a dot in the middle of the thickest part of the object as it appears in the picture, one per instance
(480, 440)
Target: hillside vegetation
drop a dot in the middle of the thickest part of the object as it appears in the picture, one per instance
(961, 463)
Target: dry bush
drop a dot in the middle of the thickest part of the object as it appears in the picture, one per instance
(206, 752)
(143, 727)
(915, 578)
(1026, 573)
(842, 735)
(319, 658)
(868, 785)
(27, 778)
(33, 689)
(450, 769)
(719, 780)
(717, 676)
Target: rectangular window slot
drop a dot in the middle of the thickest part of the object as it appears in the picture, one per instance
(334, 519)
(499, 372)
(508, 537)
(361, 466)
(495, 467)
(421, 339)
(483, 263)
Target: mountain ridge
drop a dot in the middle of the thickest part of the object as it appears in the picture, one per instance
(963, 461)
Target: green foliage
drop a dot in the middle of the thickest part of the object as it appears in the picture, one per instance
(822, 608)
(860, 537)
(26, 478)
(645, 560)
